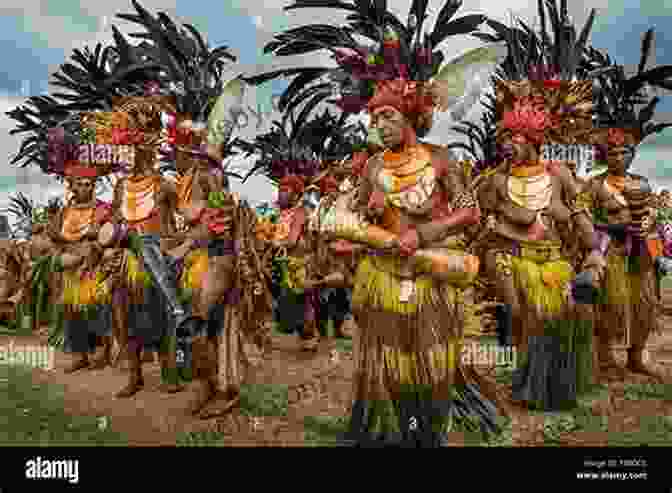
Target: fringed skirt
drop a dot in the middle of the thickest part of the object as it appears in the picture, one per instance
(555, 357)
(628, 310)
(148, 316)
(87, 312)
(191, 275)
(234, 352)
(408, 377)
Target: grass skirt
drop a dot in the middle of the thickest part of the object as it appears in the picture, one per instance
(408, 380)
(628, 309)
(86, 312)
(191, 278)
(557, 363)
(148, 315)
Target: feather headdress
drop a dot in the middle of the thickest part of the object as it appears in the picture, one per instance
(304, 147)
(626, 102)
(194, 75)
(396, 51)
(542, 88)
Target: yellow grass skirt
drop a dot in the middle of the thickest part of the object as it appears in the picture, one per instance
(80, 293)
(136, 278)
(544, 284)
(628, 310)
(407, 354)
(415, 342)
(621, 286)
(195, 268)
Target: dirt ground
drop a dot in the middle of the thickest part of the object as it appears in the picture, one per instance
(317, 387)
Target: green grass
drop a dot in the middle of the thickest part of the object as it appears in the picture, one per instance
(207, 438)
(263, 400)
(344, 345)
(642, 391)
(33, 415)
(256, 400)
(323, 431)
(653, 431)
(14, 329)
(580, 419)
(475, 438)
(504, 375)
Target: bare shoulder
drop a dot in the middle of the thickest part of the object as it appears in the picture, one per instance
(444, 161)
(595, 182)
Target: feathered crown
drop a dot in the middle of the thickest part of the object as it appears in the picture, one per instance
(302, 147)
(189, 69)
(193, 74)
(549, 110)
(92, 79)
(624, 102)
(398, 51)
(541, 88)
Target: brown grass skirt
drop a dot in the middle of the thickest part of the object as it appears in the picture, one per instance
(629, 311)
(407, 365)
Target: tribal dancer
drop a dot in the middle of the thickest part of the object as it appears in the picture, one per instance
(620, 202)
(85, 295)
(195, 74)
(96, 86)
(63, 257)
(336, 272)
(535, 221)
(143, 205)
(207, 213)
(336, 268)
(296, 157)
(407, 296)
(628, 314)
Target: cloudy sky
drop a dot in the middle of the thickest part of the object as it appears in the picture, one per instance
(38, 35)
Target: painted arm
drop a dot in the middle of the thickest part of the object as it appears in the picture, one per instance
(579, 200)
(465, 208)
(117, 200)
(54, 228)
(168, 205)
(297, 228)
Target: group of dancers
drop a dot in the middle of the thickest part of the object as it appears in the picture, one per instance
(393, 229)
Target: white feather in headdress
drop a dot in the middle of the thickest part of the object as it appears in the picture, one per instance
(460, 83)
(226, 112)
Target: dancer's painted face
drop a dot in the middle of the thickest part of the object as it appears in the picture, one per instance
(523, 149)
(82, 189)
(391, 125)
(619, 158)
